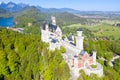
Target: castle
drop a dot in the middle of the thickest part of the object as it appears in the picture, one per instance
(52, 34)
(76, 57)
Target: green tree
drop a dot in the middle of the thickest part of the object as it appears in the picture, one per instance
(13, 60)
(117, 65)
(4, 70)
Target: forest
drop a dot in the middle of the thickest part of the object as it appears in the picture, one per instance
(26, 57)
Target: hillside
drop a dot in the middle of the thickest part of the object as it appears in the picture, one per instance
(66, 18)
(4, 13)
(12, 7)
(29, 15)
(37, 18)
(26, 57)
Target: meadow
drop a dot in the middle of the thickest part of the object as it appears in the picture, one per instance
(100, 30)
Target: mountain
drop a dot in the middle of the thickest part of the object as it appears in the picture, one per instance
(12, 7)
(66, 18)
(69, 10)
(37, 17)
(29, 15)
(57, 10)
(64, 15)
(4, 13)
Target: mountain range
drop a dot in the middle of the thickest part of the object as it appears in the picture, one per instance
(13, 7)
(24, 13)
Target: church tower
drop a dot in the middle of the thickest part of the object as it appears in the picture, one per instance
(79, 40)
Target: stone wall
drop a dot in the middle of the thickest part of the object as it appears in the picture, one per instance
(98, 70)
(71, 47)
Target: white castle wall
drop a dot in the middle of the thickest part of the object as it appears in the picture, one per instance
(45, 36)
(53, 46)
(99, 70)
(76, 62)
(71, 47)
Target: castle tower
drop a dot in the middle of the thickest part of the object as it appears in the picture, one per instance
(79, 40)
(45, 33)
(46, 27)
(94, 57)
(53, 20)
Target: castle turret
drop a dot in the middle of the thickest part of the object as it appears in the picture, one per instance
(46, 27)
(45, 33)
(53, 20)
(94, 57)
(79, 39)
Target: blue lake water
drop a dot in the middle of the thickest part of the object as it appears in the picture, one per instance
(6, 22)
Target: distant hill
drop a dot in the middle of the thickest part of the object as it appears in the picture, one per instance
(37, 17)
(29, 15)
(35, 14)
(12, 7)
(4, 13)
(66, 18)
(57, 10)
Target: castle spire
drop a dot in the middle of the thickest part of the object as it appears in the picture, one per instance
(53, 20)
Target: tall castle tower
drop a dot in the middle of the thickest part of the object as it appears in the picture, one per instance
(79, 39)
(45, 33)
(53, 20)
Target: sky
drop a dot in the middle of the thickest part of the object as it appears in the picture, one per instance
(83, 5)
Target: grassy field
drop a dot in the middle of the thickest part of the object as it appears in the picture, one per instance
(101, 30)
(107, 30)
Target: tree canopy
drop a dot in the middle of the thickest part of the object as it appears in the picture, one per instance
(26, 57)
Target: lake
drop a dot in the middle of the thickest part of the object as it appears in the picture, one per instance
(6, 22)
